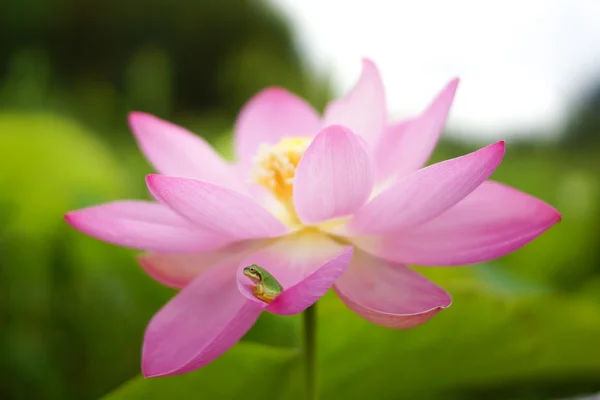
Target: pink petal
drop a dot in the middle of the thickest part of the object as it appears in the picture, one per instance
(363, 109)
(388, 151)
(268, 117)
(406, 147)
(334, 177)
(389, 295)
(175, 151)
(426, 193)
(177, 270)
(305, 264)
(215, 209)
(143, 225)
(199, 324)
(492, 221)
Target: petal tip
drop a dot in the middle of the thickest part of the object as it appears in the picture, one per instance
(557, 217)
(150, 370)
(143, 124)
(151, 177)
(153, 183)
(135, 114)
(71, 219)
(499, 148)
(152, 180)
(134, 118)
(452, 87)
(550, 213)
(74, 219)
(154, 366)
(368, 63)
(338, 131)
(447, 302)
(333, 135)
(554, 216)
(149, 375)
(502, 148)
(271, 93)
(454, 82)
(369, 66)
(445, 97)
(444, 302)
(425, 316)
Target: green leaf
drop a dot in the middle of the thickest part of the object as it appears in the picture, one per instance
(247, 371)
(488, 340)
(276, 330)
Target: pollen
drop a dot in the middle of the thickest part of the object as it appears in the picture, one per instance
(275, 166)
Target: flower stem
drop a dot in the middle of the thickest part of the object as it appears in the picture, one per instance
(310, 350)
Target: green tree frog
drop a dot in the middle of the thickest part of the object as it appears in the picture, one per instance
(266, 286)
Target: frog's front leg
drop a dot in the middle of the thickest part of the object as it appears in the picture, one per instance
(261, 294)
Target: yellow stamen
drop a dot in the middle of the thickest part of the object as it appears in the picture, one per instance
(275, 168)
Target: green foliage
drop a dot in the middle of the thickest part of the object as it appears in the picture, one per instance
(489, 341)
(248, 371)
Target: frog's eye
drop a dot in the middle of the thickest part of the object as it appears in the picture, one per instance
(252, 269)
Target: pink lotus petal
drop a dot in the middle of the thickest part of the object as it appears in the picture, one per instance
(388, 151)
(178, 270)
(389, 295)
(175, 151)
(426, 193)
(268, 117)
(406, 147)
(363, 109)
(492, 221)
(199, 324)
(306, 264)
(334, 177)
(143, 225)
(216, 209)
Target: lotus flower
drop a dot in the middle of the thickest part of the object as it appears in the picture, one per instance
(341, 200)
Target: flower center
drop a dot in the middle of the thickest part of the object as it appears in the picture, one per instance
(274, 168)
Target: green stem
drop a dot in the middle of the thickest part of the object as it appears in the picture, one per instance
(310, 350)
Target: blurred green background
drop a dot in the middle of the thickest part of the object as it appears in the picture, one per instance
(73, 309)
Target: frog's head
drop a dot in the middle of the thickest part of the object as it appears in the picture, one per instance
(253, 272)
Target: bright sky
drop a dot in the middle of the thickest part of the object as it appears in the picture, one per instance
(521, 62)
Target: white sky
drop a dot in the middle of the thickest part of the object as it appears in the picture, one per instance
(521, 62)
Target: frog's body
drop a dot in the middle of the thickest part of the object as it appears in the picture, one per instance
(266, 286)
